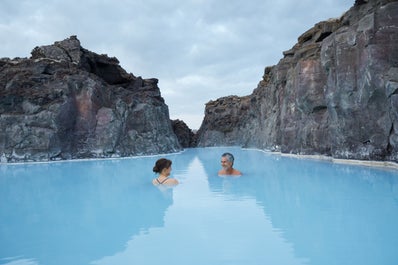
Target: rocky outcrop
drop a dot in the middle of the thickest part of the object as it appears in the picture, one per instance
(66, 102)
(224, 122)
(334, 93)
(186, 137)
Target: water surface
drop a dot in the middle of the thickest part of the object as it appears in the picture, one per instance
(281, 211)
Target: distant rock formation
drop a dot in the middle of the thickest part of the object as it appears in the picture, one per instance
(224, 121)
(66, 102)
(186, 137)
(334, 93)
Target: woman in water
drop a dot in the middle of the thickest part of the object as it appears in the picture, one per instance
(163, 168)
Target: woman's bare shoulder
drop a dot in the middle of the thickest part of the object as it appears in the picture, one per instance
(172, 181)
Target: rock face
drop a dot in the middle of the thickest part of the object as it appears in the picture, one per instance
(334, 93)
(66, 102)
(186, 137)
(224, 122)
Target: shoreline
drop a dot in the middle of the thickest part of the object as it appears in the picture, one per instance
(355, 162)
(87, 159)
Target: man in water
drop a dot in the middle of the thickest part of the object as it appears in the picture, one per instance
(227, 162)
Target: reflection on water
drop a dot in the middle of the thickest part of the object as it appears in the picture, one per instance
(281, 211)
(70, 213)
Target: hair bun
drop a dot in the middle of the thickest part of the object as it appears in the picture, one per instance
(161, 164)
(155, 169)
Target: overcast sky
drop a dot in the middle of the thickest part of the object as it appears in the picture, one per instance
(199, 50)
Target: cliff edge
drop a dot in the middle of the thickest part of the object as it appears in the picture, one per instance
(65, 102)
(334, 93)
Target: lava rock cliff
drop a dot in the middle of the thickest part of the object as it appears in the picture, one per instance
(65, 102)
(334, 93)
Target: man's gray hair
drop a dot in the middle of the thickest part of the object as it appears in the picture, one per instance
(229, 156)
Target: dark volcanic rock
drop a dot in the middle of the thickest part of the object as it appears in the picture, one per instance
(224, 121)
(66, 102)
(186, 137)
(334, 93)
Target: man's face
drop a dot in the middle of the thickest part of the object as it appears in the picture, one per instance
(225, 164)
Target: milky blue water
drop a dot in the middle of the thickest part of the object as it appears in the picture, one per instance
(281, 211)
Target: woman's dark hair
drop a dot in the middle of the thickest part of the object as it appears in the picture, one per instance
(161, 164)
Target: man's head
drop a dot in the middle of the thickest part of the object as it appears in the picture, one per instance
(227, 160)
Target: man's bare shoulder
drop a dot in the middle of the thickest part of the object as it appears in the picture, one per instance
(234, 172)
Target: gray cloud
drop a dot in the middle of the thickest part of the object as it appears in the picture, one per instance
(199, 50)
